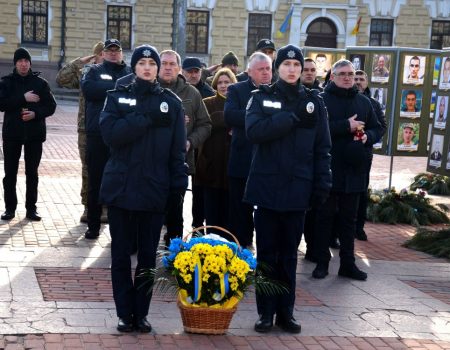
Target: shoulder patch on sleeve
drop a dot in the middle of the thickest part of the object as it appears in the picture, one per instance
(86, 69)
(249, 103)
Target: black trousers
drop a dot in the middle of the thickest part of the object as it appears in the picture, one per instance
(278, 236)
(132, 296)
(97, 154)
(174, 216)
(32, 155)
(216, 209)
(345, 205)
(362, 207)
(240, 213)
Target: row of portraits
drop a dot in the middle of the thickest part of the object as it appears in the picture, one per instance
(414, 68)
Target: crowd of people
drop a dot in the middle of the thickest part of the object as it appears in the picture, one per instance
(273, 153)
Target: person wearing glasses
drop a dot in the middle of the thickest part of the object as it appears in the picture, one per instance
(96, 80)
(353, 127)
(289, 173)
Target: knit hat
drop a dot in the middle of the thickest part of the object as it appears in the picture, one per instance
(265, 44)
(289, 52)
(230, 58)
(98, 48)
(21, 53)
(191, 63)
(144, 51)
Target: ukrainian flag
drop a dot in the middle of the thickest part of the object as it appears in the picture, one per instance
(286, 23)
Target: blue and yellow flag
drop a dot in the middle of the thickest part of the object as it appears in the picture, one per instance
(286, 23)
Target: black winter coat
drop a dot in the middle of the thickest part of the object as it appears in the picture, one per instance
(12, 100)
(95, 82)
(147, 161)
(342, 104)
(234, 113)
(291, 162)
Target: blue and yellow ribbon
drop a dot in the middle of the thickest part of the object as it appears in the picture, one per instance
(197, 279)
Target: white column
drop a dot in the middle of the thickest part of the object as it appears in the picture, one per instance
(294, 33)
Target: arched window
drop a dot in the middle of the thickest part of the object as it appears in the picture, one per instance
(321, 33)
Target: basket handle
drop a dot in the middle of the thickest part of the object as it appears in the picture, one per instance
(215, 227)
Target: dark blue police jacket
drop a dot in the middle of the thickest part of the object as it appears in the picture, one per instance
(234, 114)
(291, 161)
(147, 161)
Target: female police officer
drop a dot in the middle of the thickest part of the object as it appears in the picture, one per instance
(290, 172)
(143, 124)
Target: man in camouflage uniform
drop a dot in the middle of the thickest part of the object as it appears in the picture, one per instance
(69, 77)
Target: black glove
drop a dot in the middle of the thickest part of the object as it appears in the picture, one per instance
(175, 199)
(306, 114)
(317, 201)
(159, 119)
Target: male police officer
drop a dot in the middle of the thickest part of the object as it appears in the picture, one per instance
(241, 214)
(96, 80)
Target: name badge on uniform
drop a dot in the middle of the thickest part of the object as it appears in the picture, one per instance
(310, 107)
(128, 101)
(268, 103)
(105, 76)
(164, 107)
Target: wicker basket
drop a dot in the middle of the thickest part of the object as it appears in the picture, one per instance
(205, 320)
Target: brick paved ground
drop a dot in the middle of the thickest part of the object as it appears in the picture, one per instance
(55, 290)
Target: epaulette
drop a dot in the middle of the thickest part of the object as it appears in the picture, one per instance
(171, 93)
(266, 88)
(121, 87)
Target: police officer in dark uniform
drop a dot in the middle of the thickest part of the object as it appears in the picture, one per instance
(290, 172)
(96, 80)
(143, 126)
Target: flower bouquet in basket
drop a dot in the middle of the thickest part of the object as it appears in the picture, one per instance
(212, 275)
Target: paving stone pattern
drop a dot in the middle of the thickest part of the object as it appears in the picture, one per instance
(55, 288)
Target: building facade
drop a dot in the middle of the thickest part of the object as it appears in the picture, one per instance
(58, 31)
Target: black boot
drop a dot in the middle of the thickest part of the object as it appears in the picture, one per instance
(288, 323)
(264, 324)
(361, 235)
(321, 270)
(125, 324)
(352, 271)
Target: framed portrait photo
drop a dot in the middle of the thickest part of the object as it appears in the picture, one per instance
(381, 64)
(444, 81)
(440, 119)
(411, 103)
(414, 69)
(358, 61)
(323, 62)
(437, 146)
(408, 137)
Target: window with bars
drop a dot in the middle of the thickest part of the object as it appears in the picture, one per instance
(119, 25)
(197, 29)
(440, 35)
(381, 32)
(259, 27)
(35, 22)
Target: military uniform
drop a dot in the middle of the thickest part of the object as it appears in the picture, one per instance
(69, 77)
